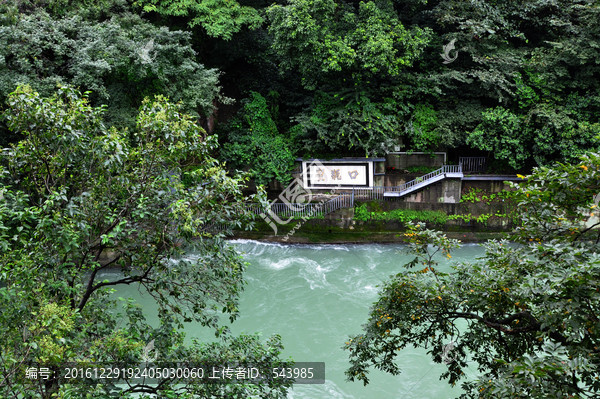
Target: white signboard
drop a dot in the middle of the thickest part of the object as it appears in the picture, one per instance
(337, 174)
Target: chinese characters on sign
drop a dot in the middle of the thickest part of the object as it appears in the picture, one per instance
(334, 174)
(320, 174)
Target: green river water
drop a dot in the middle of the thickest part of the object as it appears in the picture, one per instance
(315, 297)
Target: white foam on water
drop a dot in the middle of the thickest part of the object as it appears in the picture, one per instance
(359, 288)
(243, 241)
(259, 248)
(314, 274)
(331, 247)
(282, 263)
(370, 288)
(265, 244)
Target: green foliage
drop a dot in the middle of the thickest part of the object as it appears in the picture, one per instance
(361, 212)
(482, 218)
(549, 110)
(526, 95)
(421, 169)
(345, 56)
(254, 143)
(400, 215)
(475, 195)
(545, 133)
(524, 315)
(355, 78)
(505, 93)
(219, 19)
(350, 121)
(422, 129)
(324, 37)
(502, 134)
(122, 59)
(78, 199)
(89, 9)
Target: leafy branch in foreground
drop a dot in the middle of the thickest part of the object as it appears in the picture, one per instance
(526, 314)
(85, 210)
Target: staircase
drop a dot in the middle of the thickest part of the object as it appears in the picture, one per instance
(446, 171)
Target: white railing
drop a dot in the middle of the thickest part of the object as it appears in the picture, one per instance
(472, 164)
(369, 193)
(305, 210)
(423, 179)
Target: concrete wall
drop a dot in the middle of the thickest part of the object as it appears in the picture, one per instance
(400, 179)
(403, 161)
(379, 180)
(342, 220)
(450, 190)
(489, 186)
(476, 209)
(447, 190)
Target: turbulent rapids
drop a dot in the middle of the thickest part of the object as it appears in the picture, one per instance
(315, 296)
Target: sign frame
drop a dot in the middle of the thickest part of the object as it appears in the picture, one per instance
(311, 184)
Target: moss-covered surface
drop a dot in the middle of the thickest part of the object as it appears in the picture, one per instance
(384, 221)
(348, 231)
(349, 237)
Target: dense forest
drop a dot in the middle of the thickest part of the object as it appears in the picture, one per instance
(325, 78)
(124, 124)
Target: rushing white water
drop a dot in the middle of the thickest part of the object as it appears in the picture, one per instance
(315, 297)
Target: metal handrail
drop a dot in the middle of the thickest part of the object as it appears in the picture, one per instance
(431, 175)
(472, 164)
(313, 209)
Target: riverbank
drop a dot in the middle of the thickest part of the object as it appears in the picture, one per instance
(301, 237)
(342, 230)
(385, 222)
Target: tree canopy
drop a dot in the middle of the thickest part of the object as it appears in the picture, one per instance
(220, 19)
(352, 78)
(254, 143)
(121, 59)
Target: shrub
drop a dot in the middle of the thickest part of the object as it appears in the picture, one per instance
(401, 215)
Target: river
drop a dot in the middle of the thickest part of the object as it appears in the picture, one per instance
(315, 297)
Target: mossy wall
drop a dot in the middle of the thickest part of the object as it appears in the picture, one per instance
(403, 161)
(340, 226)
